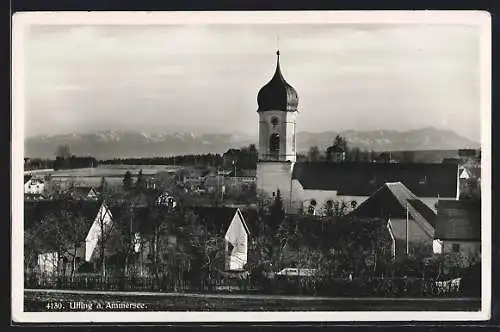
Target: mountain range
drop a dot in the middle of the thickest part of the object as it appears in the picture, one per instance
(122, 144)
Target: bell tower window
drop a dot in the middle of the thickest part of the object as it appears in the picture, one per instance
(274, 121)
(274, 144)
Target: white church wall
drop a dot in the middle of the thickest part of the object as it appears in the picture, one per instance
(320, 197)
(349, 199)
(273, 176)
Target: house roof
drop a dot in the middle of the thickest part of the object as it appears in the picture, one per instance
(218, 218)
(27, 178)
(36, 211)
(458, 220)
(363, 179)
(391, 201)
(83, 190)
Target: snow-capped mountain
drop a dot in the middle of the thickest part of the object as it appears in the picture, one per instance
(121, 144)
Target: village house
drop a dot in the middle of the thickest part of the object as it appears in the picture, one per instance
(34, 187)
(83, 192)
(412, 222)
(230, 224)
(458, 228)
(83, 238)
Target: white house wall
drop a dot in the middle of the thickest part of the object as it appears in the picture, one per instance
(236, 235)
(415, 232)
(103, 217)
(34, 186)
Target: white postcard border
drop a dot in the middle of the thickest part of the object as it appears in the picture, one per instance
(21, 21)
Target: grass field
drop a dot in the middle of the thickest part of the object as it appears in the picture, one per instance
(56, 301)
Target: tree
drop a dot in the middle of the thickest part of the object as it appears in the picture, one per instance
(408, 156)
(277, 212)
(314, 153)
(339, 146)
(127, 181)
(61, 231)
(140, 183)
(63, 152)
(103, 185)
(354, 154)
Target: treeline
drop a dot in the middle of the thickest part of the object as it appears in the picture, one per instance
(74, 162)
(206, 160)
(242, 158)
(341, 151)
(37, 163)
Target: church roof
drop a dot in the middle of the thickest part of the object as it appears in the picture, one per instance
(277, 94)
(363, 179)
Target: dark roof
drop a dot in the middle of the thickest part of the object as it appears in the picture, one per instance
(34, 212)
(217, 219)
(459, 220)
(27, 178)
(424, 211)
(82, 191)
(277, 94)
(392, 201)
(475, 172)
(363, 179)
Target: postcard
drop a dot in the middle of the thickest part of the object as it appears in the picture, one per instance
(254, 167)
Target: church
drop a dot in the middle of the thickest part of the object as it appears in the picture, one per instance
(312, 185)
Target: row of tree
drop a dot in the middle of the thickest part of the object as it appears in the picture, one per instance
(341, 151)
(243, 158)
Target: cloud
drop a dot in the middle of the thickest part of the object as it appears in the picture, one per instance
(97, 75)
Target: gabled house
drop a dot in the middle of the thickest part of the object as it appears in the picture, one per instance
(354, 182)
(229, 223)
(51, 259)
(458, 228)
(410, 219)
(101, 225)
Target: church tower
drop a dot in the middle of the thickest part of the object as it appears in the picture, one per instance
(277, 102)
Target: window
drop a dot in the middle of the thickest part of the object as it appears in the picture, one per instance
(455, 247)
(274, 121)
(274, 143)
(313, 202)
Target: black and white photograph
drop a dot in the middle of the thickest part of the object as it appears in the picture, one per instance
(251, 166)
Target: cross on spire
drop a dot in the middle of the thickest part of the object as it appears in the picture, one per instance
(278, 45)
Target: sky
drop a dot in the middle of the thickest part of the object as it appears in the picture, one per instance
(205, 78)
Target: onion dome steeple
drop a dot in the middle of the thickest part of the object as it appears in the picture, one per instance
(277, 94)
